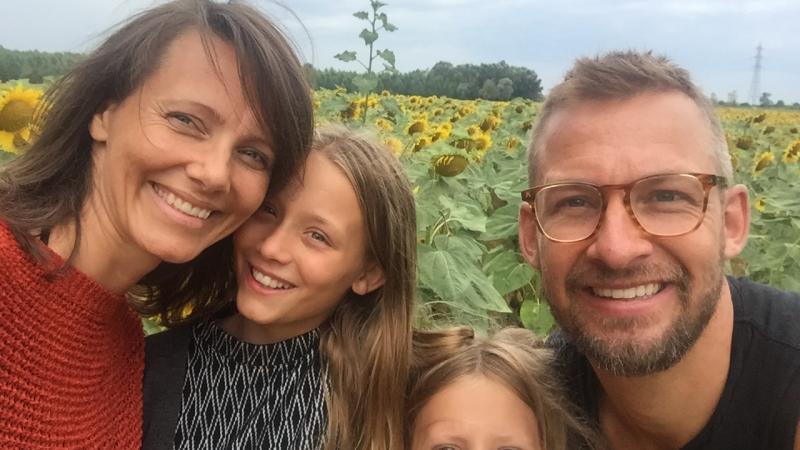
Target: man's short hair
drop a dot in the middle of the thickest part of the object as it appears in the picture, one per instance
(621, 75)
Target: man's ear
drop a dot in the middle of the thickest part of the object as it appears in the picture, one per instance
(372, 278)
(98, 127)
(736, 213)
(528, 235)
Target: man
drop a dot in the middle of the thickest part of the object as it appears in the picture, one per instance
(632, 217)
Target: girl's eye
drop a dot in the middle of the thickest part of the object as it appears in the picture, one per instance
(255, 158)
(269, 209)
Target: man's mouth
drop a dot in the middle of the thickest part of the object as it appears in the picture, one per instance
(633, 292)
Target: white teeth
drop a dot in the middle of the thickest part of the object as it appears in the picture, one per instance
(182, 206)
(268, 281)
(644, 290)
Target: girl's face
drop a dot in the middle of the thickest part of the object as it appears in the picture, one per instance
(181, 162)
(300, 253)
(476, 413)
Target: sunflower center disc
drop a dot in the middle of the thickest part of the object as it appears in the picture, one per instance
(15, 116)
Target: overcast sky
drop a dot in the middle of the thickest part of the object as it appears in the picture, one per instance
(715, 39)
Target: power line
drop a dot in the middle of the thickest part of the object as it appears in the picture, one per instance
(755, 86)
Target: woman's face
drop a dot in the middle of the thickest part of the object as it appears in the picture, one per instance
(182, 161)
(475, 413)
(300, 254)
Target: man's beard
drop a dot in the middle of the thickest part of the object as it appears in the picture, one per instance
(626, 356)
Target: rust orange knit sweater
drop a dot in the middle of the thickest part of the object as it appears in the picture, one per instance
(71, 359)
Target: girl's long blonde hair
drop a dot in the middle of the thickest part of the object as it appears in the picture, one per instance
(514, 357)
(367, 340)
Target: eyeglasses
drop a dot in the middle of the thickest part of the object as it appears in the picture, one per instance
(662, 205)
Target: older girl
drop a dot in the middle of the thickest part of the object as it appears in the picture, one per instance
(316, 354)
(153, 149)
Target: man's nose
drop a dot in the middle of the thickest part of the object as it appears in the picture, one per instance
(619, 240)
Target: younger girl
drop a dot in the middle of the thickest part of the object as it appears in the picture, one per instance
(481, 394)
(316, 354)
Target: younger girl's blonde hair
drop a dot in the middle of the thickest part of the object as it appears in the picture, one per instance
(367, 340)
(514, 357)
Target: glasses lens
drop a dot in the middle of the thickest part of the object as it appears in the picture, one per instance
(668, 205)
(568, 212)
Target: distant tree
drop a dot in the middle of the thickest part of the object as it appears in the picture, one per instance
(765, 100)
(489, 90)
(780, 104)
(505, 89)
(463, 81)
(714, 99)
(34, 65)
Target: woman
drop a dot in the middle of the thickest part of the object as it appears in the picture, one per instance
(152, 151)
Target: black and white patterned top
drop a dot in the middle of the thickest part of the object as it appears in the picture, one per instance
(244, 396)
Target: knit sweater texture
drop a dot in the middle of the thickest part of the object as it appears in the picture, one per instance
(71, 358)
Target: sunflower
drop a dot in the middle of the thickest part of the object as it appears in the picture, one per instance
(792, 153)
(450, 165)
(764, 160)
(759, 205)
(17, 107)
(394, 145)
(421, 143)
(512, 143)
(442, 132)
(384, 124)
(417, 126)
(490, 123)
(482, 141)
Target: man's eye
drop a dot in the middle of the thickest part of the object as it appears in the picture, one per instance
(573, 202)
(668, 196)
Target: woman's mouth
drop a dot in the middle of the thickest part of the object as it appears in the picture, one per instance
(180, 204)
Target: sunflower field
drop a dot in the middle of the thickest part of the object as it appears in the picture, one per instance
(466, 161)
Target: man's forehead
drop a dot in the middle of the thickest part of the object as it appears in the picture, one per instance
(651, 119)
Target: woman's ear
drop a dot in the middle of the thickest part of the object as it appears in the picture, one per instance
(98, 127)
(370, 279)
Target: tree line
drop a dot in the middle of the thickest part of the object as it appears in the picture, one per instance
(33, 64)
(497, 81)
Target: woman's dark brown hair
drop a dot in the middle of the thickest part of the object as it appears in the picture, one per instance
(48, 184)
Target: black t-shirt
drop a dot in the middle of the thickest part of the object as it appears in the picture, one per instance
(760, 405)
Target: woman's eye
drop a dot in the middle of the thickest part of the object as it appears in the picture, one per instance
(317, 236)
(255, 158)
(185, 123)
(183, 119)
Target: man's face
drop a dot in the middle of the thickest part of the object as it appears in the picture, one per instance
(632, 302)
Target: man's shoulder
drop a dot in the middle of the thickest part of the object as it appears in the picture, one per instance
(770, 312)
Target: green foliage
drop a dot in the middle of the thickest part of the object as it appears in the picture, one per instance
(498, 81)
(367, 82)
(34, 65)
